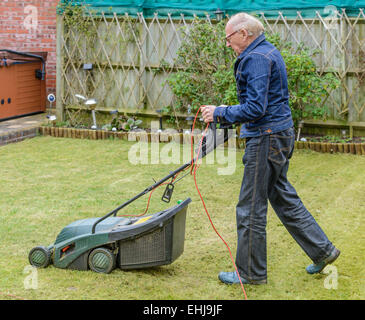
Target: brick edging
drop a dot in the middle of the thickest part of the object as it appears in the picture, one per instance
(17, 136)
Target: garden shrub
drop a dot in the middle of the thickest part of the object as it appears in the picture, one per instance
(205, 74)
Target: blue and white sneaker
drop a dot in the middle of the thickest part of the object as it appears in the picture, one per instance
(317, 268)
(232, 278)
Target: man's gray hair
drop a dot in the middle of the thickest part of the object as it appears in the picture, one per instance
(242, 20)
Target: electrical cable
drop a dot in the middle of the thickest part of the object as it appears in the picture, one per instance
(193, 169)
(149, 199)
(205, 208)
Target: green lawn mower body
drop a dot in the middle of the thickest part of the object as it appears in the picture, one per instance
(101, 244)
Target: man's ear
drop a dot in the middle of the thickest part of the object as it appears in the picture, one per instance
(244, 32)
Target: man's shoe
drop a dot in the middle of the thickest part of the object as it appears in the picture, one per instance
(232, 278)
(317, 268)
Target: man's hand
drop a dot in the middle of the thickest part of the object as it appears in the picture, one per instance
(207, 113)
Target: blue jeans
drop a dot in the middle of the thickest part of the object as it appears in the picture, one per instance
(266, 162)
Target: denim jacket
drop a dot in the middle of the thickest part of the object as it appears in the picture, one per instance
(262, 92)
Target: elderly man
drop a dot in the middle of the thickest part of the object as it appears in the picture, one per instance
(264, 110)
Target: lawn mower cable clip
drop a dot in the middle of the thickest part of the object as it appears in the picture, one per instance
(166, 197)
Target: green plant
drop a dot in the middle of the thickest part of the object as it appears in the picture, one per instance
(332, 139)
(206, 77)
(123, 123)
(131, 124)
(308, 90)
(62, 124)
(77, 16)
(205, 69)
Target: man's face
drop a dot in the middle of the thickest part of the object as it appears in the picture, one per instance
(237, 40)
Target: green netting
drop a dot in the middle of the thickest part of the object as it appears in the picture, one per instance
(201, 8)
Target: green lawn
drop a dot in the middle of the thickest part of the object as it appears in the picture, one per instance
(47, 183)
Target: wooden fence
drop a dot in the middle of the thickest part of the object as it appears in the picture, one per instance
(132, 58)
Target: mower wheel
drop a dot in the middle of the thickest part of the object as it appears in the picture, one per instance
(102, 260)
(40, 257)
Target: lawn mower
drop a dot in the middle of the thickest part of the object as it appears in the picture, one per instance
(102, 244)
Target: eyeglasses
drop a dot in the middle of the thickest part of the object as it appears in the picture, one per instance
(249, 33)
(230, 35)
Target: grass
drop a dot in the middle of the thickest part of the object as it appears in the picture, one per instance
(47, 183)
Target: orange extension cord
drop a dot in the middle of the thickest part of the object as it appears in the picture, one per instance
(202, 200)
(193, 169)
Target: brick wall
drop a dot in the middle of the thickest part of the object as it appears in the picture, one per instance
(30, 26)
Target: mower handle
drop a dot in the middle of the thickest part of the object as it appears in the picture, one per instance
(147, 190)
(212, 126)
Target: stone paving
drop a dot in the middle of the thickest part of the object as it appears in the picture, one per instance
(18, 129)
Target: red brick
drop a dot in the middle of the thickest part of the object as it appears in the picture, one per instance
(13, 34)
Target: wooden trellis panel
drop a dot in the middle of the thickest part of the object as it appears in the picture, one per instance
(133, 57)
